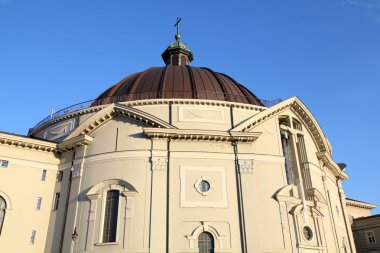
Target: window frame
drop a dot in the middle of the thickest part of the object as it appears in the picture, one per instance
(211, 240)
(104, 192)
(4, 163)
(43, 175)
(57, 196)
(39, 203)
(59, 177)
(4, 213)
(370, 237)
(32, 237)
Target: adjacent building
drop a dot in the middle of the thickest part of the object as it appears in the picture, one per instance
(365, 227)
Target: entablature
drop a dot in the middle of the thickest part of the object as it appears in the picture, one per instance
(200, 135)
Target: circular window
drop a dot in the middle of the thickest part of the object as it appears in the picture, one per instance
(307, 233)
(204, 186)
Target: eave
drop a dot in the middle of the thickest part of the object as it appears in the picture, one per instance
(78, 141)
(200, 135)
(27, 142)
(329, 163)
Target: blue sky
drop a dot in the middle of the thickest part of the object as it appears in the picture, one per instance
(327, 52)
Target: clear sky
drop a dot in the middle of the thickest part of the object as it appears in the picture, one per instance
(327, 52)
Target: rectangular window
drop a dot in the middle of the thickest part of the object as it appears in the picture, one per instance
(111, 216)
(32, 237)
(370, 237)
(4, 163)
(56, 201)
(39, 201)
(43, 176)
(60, 176)
(287, 152)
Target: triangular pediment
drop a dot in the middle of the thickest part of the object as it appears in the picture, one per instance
(297, 107)
(109, 112)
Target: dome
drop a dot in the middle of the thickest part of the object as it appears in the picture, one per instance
(176, 82)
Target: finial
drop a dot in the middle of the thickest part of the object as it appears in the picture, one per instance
(177, 36)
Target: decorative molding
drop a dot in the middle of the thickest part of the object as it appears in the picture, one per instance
(75, 142)
(149, 102)
(60, 130)
(197, 114)
(246, 166)
(200, 135)
(296, 105)
(223, 203)
(159, 163)
(76, 171)
(205, 227)
(196, 185)
(130, 154)
(331, 165)
(360, 204)
(27, 142)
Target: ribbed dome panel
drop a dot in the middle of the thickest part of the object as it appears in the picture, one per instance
(178, 82)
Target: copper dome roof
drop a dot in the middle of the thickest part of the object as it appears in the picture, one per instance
(181, 81)
(177, 80)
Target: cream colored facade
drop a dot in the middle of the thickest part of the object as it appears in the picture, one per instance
(155, 153)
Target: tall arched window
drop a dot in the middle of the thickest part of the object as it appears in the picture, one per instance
(3, 206)
(206, 243)
(111, 216)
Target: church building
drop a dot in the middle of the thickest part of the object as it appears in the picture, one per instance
(174, 159)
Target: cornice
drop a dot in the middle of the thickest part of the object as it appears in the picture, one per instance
(300, 110)
(27, 142)
(330, 164)
(75, 142)
(360, 204)
(200, 135)
(149, 102)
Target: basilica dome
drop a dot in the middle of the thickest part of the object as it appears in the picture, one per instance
(177, 80)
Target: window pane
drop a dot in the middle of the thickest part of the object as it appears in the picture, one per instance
(110, 216)
(206, 243)
(43, 177)
(39, 200)
(56, 201)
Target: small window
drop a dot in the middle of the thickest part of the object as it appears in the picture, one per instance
(3, 207)
(60, 176)
(3, 163)
(204, 186)
(284, 120)
(111, 216)
(307, 233)
(43, 176)
(32, 237)
(297, 125)
(370, 237)
(56, 201)
(206, 243)
(39, 201)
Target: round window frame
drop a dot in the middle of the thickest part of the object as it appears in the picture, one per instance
(310, 231)
(197, 185)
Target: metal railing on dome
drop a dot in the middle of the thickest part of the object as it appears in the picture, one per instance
(151, 95)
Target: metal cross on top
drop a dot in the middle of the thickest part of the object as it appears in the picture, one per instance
(177, 24)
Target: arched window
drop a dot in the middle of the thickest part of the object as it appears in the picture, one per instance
(3, 206)
(111, 216)
(206, 243)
